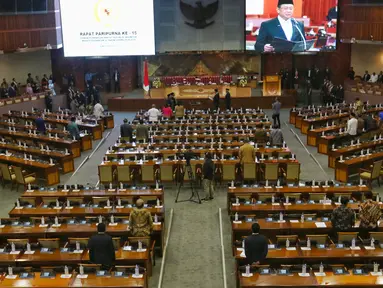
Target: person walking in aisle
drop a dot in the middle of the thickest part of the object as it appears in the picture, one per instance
(208, 176)
(276, 111)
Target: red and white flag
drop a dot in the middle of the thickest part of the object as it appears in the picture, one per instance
(146, 77)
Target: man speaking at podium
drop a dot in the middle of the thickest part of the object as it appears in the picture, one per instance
(283, 27)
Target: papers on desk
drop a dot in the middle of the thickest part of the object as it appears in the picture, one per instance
(14, 252)
(318, 274)
(56, 225)
(247, 275)
(294, 221)
(369, 247)
(30, 191)
(320, 224)
(66, 276)
(240, 249)
(11, 276)
(127, 248)
(291, 248)
(29, 252)
(84, 276)
(43, 226)
(78, 251)
(113, 224)
(137, 276)
(156, 223)
(304, 274)
(141, 250)
(2, 226)
(376, 274)
(237, 222)
(235, 204)
(275, 204)
(355, 248)
(243, 255)
(305, 249)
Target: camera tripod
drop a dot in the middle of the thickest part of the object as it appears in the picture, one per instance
(194, 194)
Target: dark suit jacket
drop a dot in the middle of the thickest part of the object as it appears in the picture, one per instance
(256, 248)
(332, 14)
(366, 77)
(127, 131)
(216, 99)
(272, 28)
(101, 250)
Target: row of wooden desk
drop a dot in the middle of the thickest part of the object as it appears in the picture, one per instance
(91, 281)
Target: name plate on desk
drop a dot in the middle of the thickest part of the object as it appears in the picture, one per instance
(84, 276)
(294, 221)
(320, 225)
(317, 274)
(237, 222)
(137, 276)
(78, 251)
(14, 252)
(29, 252)
(11, 276)
(247, 275)
(156, 223)
(113, 224)
(369, 247)
(43, 226)
(305, 249)
(30, 191)
(304, 274)
(291, 248)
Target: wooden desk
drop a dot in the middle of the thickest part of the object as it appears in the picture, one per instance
(237, 191)
(115, 193)
(333, 155)
(343, 170)
(95, 130)
(306, 123)
(50, 173)
(76, 212)
(314, 134)
(37, 281)
(65, 161)
(53, 258)
(123, 282)
(74, 147)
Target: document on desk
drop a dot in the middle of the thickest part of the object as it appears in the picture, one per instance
(283, 45)
(320, 224)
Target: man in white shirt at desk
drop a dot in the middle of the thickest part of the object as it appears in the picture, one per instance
(153, 114)
(374, 78)
(352, 125)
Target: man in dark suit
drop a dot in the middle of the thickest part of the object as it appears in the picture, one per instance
(127, 130)
(216, 99)
(116, 79)
(101, 248)
(228, 99)
(333, 13)
(256, 246)
(366, 76)
(284, 27)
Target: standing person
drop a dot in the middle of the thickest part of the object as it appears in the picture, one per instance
(369, 213)
(49, 101)
(167, 111)
(352, 125)
(296, 79)
(51, 87)
(98, 110)
(276, 112)
(73, 129)
(366, 77)
(358, 106)
(126, 130)
(216, 99)
(179, 110)
(29, 89)
(360, 128)
(116, 79)
(142, 131)
(89, 78)
(351, 73)
(256, 246)
(247, 153)
(107, 82)
(154, 114)
(40, 124)
(343, 217)
(140, 220)
(30, 79)
(208, 176)
(96, 96)
(101, 248)
(276, 136)
(228, 99)
(12, 90)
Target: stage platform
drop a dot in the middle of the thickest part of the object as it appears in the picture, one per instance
(130, 104)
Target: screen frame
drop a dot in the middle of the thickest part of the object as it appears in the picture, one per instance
(296, 53)
(107, 56)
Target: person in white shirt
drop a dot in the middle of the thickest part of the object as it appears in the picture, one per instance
(98, 110)
(352, 125)
(153, 114)
(374, 78)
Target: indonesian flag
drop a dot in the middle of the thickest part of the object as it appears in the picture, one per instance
(146, 77)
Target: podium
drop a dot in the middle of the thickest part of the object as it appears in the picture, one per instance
(272, 86)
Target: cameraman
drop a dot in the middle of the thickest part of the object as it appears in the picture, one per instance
(208, 176)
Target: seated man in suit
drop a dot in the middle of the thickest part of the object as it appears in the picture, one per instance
(256, 246)
(284, 26)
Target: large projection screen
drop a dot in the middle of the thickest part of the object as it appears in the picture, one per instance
(295, 26)
(107, 27)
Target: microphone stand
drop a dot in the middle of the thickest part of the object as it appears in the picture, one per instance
(300, 32)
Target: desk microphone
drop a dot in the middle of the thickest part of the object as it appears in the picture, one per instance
(300, 32)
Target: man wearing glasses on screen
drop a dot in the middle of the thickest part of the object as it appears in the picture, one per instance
(284, 27)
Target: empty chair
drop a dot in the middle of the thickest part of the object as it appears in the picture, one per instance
(49, 201)
(83, 242)
(101, 201)
(346, 237)
(22, 179)
(50, 243)
(74, 201)
(377, 236)
(106, 174)
(373, 174)
(19, 243)
(123, 175)
(249, 171)
(270, 171)
(291, 174)
(7, 174)
(228, 172)
(319, 239)
(146, 242)
(317, 197)
(147, 173)
(281, 239)
(90, 268)
(166, 173)
(25, 201)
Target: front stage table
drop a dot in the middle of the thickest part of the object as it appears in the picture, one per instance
(197, 91)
